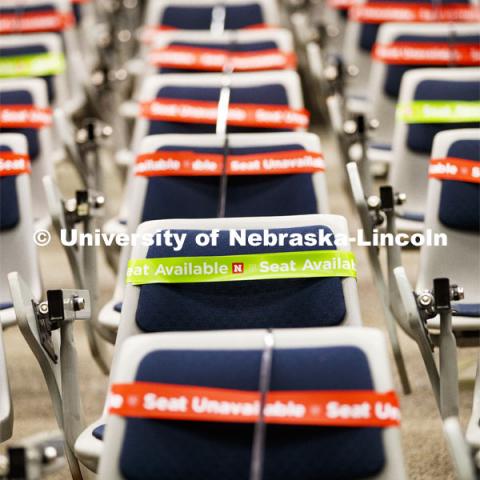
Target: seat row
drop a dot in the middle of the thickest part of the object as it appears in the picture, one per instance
(202, 331)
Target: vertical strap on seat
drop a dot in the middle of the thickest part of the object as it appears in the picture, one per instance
(222, 131)
(258, 449)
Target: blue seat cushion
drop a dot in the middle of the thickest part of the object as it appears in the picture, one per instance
(265, 95)
(200, 17)
(420, 135)
(459, 206)
(395, 73)
(412, 216)
(230, 47)
(243, 304)
(9, 207)
(380, 146)
(22, 97)
(248, 195)
(173, 450)
(466, 309)
(31, 50)
(99, 432)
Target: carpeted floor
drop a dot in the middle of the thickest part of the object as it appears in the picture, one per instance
(424, 449)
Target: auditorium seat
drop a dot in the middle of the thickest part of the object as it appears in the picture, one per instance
(313, 359)
(360, 38)
(453, 208)
(285, 303)
(32, 93)
(386, 75)
(16, 226)
(162, 197)
(413, 139)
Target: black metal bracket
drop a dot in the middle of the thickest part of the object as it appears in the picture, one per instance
(385, 202)
(335, 73)
(358, 127)
(61, 306)
(85, 205)
(32, 461)
(431, 303)
(91, 134)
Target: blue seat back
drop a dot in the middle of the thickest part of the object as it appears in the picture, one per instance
(231, 47)
(459, 206)
(25, 9)
(9, 208)
(247, 195)
(267, 95)
(395, 73)
(171, 450)
(420, 136)
(368, 31)
(22, 97)
(200, 17)
(242, 304)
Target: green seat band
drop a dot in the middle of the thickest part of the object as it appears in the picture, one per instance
(231, 268)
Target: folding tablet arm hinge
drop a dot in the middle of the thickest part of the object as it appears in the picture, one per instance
(92, 132)
(380, 207)
(358, 127)
(85, 206)
(438, 302)
(324, 31)
(38, 456)
(61, 306)
(431, 303)
(337, 74)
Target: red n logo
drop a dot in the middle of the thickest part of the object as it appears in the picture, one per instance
(237, 267)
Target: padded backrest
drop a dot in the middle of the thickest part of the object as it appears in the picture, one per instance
(153, 449)
(231, 47)
(9, 207)
(30, 50)
(274, 94)
(247, 195)
(459, 206)
(242, 304)
(420, 136)
(200, 17)
(22, 97)
(394, 73)
(368, 31)
(24, 8)
(17, 250)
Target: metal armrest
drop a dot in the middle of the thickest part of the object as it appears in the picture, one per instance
(460, 451)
